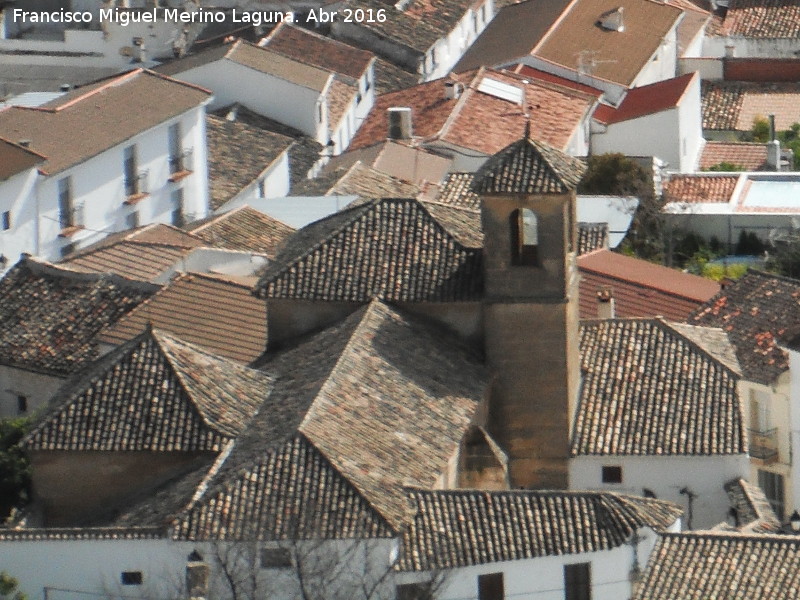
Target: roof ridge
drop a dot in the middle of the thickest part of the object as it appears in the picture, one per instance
(743, 535)
(668, 326)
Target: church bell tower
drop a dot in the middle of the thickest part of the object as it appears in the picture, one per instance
(530, 307)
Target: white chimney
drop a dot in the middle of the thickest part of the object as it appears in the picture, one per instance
(605, 304)
(774, 155)
(400, 126)
(453, 90)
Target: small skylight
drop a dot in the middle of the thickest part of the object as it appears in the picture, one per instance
(504, 91)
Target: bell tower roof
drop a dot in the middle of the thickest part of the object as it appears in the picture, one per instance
(529, 167)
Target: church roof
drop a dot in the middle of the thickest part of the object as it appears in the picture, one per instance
(529, 167)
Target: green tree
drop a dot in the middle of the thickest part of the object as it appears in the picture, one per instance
(725, 166)
(616, 174)
(15, 471)
(760, 130)
(9, 588)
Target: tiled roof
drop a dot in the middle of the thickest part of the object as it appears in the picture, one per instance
(141, 253)
(217, 313)
(384, 396)
(746, 156)
(357, 180)
(755, 311)
(418, 25)
(460, 528)
(512, 34)
(528, 72)
(591, 237)
(640, 288)
(557, 112)
(733, 105)
(763, 19)
(754, 513)
(392, 249)
(700, 188)
(292, 492)
(319, 51)
(237, 155)
(91, 120)
(257, 58)
(49, 316)
(154, 393)
(647, 100)
(71, 534)
(529, 167)
(243, 228)
(735, 566)
(457, 191)
(693, 24)
(391, 78)
(341, 96)
(619, 56)
(634, 402)
(16, 159)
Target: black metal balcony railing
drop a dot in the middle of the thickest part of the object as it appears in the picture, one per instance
(181, 162)
(136, 184)
(764, 444)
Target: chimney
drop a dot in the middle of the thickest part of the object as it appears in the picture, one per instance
(613, 20)
(605, 303)
(730, 51)
(64, 87)
(772, 136)
(400, 126)
(774, 155)
(24, 143)
(453, 90)
(196, 580)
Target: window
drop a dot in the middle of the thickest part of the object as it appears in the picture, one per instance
(319, 112)
(131, 578)
(275, 558)
(6, 220)
(759, 411)
(131, 174)
(490, 586)
(578, 581)
(413, 591)
(66, 210)
(262, 188)
(22, 404)
(175, 148)
(772, 485)
(524, 238)
(132, 219)
(612, 474)
(369, 82)
(178, 217)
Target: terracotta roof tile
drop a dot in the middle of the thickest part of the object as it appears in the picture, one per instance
(153, 393)
(357, 179)
(640, 288)
(634, 402)
(392, 249)
(733, 105)
(746, 156)
(341, 96)
(557, 113)
(220, 315)
(736, 566)
(60, 534)
(15, 159)
(88, 121)
(700, 188)
(755, 311)
(591, 237)
(243, 228)
(238, 154)
(391, 78)
(459, 528)
(529, 167)
(311, 48)
(763, 19)
(647, 100)
(49, 315)
(754, 513)
(619, 55)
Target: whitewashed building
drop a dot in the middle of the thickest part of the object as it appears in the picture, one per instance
(122, 152)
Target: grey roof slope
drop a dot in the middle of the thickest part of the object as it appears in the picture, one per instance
(155, 393)
(49, 315)
(393, 249)
(756, 311)
(383, 396)
(529, 167)
(754, 513)
(733, 566)
(457, 528)
(635, 402)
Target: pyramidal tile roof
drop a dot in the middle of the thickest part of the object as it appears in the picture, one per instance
(457, 528)
(529, 167)
(153, 393)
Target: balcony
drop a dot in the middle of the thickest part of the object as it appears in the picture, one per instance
(136, 187)
(181, 165)
(764, 445)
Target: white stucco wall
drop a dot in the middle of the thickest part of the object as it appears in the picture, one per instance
(449, 50)
(793, 426)
(663, 63)
(714, 46)
(36, 387)
(270, 96)
(276, 184)
(18, 196)
(666, 476)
